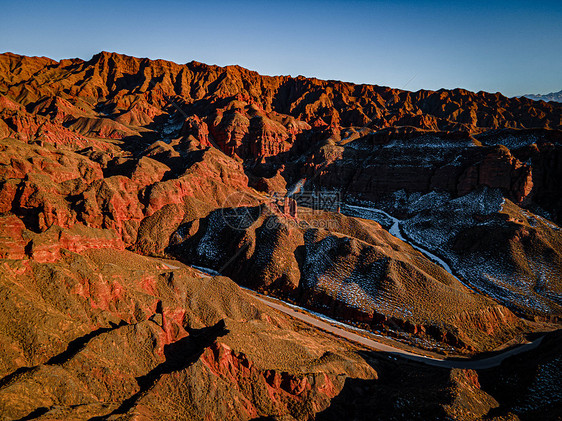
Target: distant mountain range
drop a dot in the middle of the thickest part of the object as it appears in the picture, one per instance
(553, 96)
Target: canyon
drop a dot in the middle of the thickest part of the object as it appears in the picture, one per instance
(144, 203)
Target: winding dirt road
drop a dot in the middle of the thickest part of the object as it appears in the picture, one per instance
(369, 340)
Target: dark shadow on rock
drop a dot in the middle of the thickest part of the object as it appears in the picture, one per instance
(78, 344)
(35, 414)
(404, 390)
(226, 227)
(527, 385)
(179, 355)
(71, 350)
(305, 144)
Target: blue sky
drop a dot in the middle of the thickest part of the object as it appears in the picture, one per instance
(512, 47)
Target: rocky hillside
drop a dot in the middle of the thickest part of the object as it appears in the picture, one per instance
(354, 271)
(115, 96)
(126, 182)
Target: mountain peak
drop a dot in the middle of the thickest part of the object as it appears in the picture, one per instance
(553, 96)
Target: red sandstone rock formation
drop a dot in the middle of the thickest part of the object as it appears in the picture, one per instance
(133, 92)
(117, 153)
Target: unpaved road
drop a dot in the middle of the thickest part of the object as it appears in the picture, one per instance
(370, 340)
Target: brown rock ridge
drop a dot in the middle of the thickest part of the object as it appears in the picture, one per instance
(56, 188)
(111, 333)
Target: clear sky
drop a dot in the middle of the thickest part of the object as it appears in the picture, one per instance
(514, 47)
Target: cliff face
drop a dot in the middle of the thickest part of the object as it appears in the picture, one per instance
(371, 168)
(77, 104)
